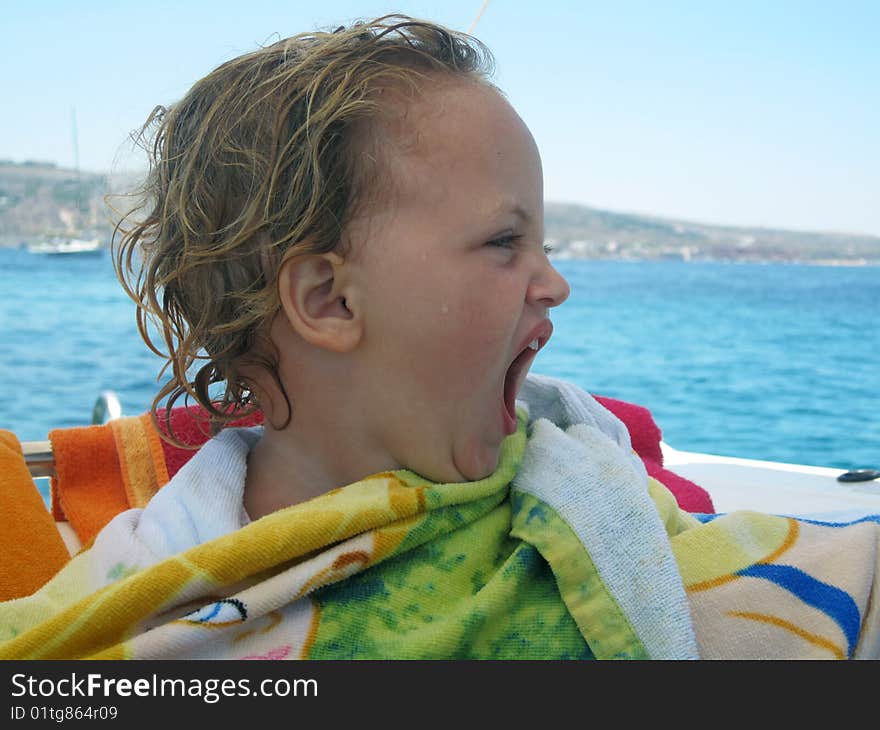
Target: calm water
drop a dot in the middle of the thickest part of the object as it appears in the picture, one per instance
(774, 362)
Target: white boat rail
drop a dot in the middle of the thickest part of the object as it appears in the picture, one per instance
(772, 486)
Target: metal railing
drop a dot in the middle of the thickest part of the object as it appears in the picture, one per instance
(106, 408)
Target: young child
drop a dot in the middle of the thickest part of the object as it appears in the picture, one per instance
(351, 226)
(345, 231)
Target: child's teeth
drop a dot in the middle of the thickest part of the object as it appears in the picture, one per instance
(534, 344)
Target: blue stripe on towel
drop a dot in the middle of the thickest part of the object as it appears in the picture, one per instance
(837, 604)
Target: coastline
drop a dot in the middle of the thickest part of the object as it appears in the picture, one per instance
(15, 243)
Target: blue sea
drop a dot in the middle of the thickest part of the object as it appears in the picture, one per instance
(765, 361)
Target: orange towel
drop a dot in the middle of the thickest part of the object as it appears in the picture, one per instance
(31, 545)
(141, 459)
(104, 470)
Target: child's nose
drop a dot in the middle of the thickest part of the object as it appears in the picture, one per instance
(549, 287)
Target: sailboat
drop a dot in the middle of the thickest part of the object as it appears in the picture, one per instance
(70, 244)
(65, 245)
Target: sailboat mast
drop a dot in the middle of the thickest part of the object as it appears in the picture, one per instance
(79, 208)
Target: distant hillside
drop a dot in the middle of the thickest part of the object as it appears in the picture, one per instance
(578, 231)
(38, 199)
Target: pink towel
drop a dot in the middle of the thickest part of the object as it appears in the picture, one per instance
(190, 425)
(645, 435)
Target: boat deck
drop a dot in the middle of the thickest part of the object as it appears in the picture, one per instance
(770, 486)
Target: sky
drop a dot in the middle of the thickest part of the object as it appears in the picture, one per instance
(746, 113)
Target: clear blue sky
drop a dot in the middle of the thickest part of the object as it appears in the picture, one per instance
(743, 113)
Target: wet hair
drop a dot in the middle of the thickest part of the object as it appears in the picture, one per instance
(265, 158)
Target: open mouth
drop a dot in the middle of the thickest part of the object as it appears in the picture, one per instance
(516, 375)
(519, 368)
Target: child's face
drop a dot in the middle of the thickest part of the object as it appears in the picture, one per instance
(455, 284)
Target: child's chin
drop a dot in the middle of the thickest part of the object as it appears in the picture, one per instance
(480, 465)
(465, 466)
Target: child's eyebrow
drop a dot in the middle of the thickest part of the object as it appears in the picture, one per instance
(516, 209)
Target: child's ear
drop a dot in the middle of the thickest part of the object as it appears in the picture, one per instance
(314, 295)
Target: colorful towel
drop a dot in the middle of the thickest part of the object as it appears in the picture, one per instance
(759, 586)
(103, 470)
(569, 550)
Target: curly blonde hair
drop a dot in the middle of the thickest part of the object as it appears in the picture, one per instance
(263, 159)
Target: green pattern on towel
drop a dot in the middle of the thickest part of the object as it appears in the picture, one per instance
(474, 593)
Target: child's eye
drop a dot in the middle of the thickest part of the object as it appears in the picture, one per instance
(506, 241)
(511, 241)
